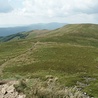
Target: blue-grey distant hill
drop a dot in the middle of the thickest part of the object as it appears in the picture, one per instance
(39, 26)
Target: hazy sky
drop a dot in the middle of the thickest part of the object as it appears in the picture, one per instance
(21, 12)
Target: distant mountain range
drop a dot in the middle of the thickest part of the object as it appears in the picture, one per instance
(40, 26)
(73, 33)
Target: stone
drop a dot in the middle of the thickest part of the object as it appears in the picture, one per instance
(8, 91)
(21, 96)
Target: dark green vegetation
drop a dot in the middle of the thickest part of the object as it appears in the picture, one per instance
(69, 53)
(23, 35)
(10, 37)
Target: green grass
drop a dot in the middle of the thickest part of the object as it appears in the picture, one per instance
(80, 59)
(83, 34)
(69, 63)
(69, 53)
(12, 49)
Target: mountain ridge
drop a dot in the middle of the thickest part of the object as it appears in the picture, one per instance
(70, 32)
(40, 26)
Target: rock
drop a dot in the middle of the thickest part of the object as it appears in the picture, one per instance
(3, 91)
(8, 91)
(21, 96)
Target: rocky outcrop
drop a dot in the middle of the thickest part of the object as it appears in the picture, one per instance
(7, 90)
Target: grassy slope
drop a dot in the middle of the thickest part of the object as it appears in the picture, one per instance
(83, 34)
(69, 53)
(23, 35)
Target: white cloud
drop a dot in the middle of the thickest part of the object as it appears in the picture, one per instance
(34, 11)
(56, 8)
(5, 7)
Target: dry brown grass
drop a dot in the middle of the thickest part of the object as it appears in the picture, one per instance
(48, 89)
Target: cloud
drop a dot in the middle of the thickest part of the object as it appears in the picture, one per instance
(5, 7)
(59, 8)
(36, 11)
(86, 6)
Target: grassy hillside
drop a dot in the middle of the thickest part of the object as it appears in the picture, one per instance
(23, 35)
(84, 34)
(69, 53)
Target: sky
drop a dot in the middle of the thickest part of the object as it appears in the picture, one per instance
(24, 12)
